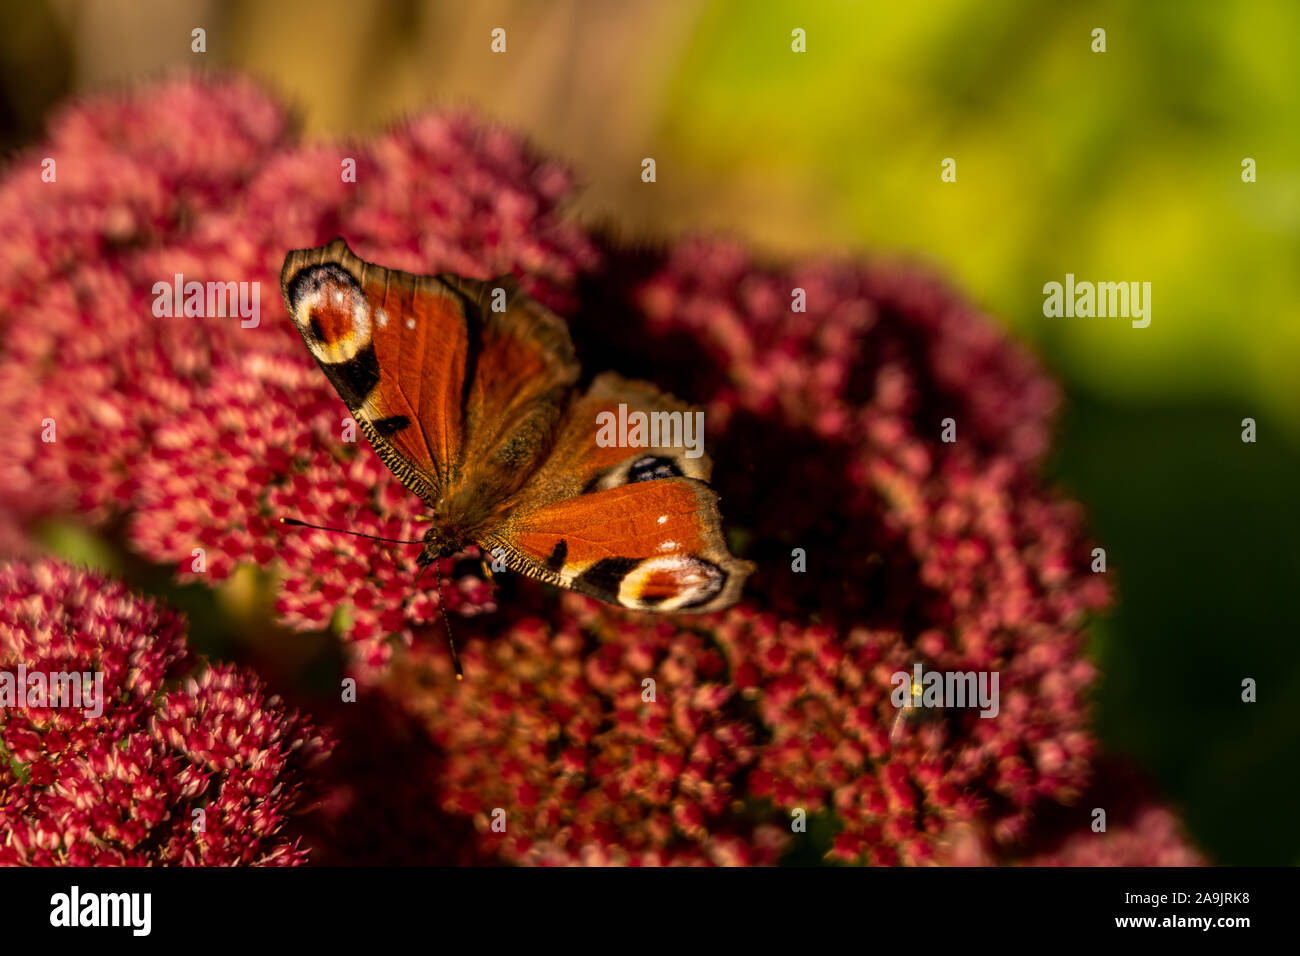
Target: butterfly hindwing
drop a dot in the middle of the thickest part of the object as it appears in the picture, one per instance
(579, 462)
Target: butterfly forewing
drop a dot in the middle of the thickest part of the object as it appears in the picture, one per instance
(652, 545)
(394, 346)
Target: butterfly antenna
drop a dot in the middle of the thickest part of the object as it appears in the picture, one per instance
(451, 641)
(356, 534)
(442, 605)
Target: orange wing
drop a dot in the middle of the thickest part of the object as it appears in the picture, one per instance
(399, 349)
(652, 545)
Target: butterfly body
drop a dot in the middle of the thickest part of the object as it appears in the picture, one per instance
(467, 391)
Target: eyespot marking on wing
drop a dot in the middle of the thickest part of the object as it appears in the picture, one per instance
(672, 582)
(645, 468)
(652, 468)
(330, 310)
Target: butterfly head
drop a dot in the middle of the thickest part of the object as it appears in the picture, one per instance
(439, 544)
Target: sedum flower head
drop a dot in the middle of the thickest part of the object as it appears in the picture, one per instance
(177, 768)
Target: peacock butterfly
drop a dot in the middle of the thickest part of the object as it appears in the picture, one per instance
(466, 390)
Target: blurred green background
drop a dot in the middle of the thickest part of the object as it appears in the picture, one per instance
(1122, 165)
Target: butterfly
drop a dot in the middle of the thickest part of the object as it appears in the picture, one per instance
(466, 389)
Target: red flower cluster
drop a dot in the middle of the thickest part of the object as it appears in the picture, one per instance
(204, 774)
(877, 440)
